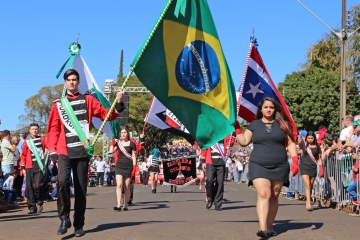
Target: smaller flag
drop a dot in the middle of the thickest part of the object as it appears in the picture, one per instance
(161, 117)
(256, 85)
(89, 85)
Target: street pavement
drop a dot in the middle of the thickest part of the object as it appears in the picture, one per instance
(181, 215)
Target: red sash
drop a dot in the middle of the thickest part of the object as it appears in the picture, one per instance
(123, 150)
(308, 150)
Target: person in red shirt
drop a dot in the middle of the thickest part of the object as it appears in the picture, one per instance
(69, 152)
(34, 173)
(214, 167)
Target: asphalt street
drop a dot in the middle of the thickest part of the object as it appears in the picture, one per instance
(181, 215)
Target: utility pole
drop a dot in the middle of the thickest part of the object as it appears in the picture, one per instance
(343, 64)
(343, 36)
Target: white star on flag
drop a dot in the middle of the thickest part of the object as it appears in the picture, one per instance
(254, 89)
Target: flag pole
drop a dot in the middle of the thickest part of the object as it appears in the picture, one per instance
(252, 38)
(147, 115)
(90, 148)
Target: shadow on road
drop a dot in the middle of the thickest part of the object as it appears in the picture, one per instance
(282, 226)
(108, 226)
(25, 216)
(237, 207)
(159, 206)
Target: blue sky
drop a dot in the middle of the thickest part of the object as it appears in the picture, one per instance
(34, 37)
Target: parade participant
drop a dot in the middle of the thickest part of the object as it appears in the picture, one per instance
(125, 161)
(70, 118)
(32, 160)
(271, 134)
(145, 172)
(200, 169)
(214, 167)
(139, 147)
(154, 169)
(311, 153)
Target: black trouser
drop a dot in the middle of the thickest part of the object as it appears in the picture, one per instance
(145, 177)
(80, 173)
(215, 193)
(100, 178)
(34, 187)
(132, 182)
(18, 183)
(141, 176)
(226, 173)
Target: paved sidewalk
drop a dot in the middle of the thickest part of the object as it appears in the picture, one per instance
(181, 215)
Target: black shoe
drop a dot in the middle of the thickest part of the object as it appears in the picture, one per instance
(155, 190)
(129, 202)
(118, 209)
(272, 234)
(79, 232)
(218, 208)
(261, 233)
(39, 208)
(32, 210)
(126, 209)
(64, 225)
(208, 205)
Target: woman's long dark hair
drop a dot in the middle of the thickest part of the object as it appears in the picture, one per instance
(312, 134)
(280, 117)
(128, 133)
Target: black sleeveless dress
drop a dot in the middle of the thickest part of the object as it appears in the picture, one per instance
(307, 165)
(124, 164)
(269, 158)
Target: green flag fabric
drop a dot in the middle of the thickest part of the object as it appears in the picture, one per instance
(183, 65)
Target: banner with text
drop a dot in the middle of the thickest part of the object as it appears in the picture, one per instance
(180, 172)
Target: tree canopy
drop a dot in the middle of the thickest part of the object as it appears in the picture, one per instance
(37, 107)
(313, 98)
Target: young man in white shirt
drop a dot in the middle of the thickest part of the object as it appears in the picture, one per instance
(100, 170)
(347, 121)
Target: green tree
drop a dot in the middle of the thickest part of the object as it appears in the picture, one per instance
(313, 98)
(324, 54)
(353, 49)
(37, 107)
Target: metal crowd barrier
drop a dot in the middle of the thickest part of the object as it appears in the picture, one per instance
(332, 188)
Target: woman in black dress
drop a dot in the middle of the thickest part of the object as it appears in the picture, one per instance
(311, 153)
(271, 135)
(125, 166)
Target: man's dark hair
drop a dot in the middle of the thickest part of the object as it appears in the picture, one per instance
(100, 157)
(34, 125)
(71, 72)
(13, 172)
(321, 126)
(6, 133)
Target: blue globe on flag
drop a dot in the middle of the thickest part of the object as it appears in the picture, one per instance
(197, 68)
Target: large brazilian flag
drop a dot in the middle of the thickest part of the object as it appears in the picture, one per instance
(183, 65)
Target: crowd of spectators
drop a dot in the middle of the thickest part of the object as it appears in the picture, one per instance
(345, 146)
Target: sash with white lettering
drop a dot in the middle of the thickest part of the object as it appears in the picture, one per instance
(35, 151)
(75, 125)
(308, 150)
(123, 150)
(218, 147)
